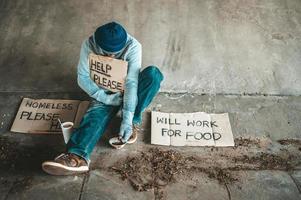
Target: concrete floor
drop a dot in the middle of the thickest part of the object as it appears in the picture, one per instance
(235, 56)
(253, 118)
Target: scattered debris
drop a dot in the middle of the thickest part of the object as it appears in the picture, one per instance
(247, 142)
(267, 161)
(152, 169)
(222, 175)
(159, 194)
(290, 142)
(157, 168)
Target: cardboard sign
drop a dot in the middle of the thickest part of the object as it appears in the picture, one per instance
(41, 115)
(108, 73)
(191, 129)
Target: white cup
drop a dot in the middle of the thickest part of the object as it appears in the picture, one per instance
(67, 128)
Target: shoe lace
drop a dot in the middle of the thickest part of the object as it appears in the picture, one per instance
(67, 157)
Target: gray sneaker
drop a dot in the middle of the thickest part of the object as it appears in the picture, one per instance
(66, 164)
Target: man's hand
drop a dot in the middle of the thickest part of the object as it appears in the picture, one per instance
(114, 99)
(126, 125)
(125, 132)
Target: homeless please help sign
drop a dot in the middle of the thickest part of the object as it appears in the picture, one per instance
(191, 129)
(41, 115)
(108, 73)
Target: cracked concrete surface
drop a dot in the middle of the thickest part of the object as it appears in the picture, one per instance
(210, 46)
(258, 123)
(236, 56)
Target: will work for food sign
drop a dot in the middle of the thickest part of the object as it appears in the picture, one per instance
(191, 129)
(108, 73)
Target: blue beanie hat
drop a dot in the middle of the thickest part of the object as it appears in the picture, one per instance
(110, 37)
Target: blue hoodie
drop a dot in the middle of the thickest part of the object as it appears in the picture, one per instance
(131, 53)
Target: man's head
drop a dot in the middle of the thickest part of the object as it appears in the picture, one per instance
(111, 37)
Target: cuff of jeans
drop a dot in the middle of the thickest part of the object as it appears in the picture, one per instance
(80, 155)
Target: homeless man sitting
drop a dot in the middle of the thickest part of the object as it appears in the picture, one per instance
(140, 87)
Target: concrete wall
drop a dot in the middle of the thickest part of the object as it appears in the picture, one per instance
(202, 46)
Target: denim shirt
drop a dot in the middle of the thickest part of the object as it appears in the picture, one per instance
(131, 53)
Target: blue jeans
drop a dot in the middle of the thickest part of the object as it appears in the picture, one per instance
(98, 115)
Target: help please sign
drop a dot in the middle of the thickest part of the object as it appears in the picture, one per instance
(191, 129)
(107, 72)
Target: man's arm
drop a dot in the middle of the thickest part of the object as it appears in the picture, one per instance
(87, 84)
(130, 98)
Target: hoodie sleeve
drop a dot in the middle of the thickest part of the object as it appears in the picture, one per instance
(83, 75)
(131, 83)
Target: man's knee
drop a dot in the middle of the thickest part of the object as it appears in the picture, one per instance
(153, 73)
